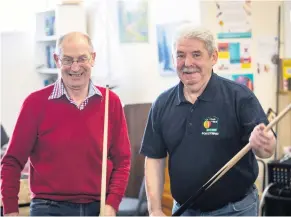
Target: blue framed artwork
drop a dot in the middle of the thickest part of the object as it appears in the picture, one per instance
(133, 21)
(165, 34)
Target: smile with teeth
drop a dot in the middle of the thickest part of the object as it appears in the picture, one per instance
(76, 74)
(190, 71)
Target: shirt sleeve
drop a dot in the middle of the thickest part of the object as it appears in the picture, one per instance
(251, 114)
(120, 153)
(21, 143)
(153, 145)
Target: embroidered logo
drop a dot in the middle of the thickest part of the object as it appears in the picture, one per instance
(210, 125)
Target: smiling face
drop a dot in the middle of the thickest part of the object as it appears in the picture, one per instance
(75, 61)
(194, 63)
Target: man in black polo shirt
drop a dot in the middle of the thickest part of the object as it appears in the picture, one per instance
(201, 123)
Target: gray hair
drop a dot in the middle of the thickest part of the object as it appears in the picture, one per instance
(192, 31)
(72, 34)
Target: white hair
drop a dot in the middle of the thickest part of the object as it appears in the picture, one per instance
(192, 31)
(74, 34)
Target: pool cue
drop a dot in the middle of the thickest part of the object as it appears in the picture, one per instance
(104, 155)
(226, 167)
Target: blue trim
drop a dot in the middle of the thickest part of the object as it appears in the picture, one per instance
(234, 35)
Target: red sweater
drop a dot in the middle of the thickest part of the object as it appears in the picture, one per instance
(64, 145)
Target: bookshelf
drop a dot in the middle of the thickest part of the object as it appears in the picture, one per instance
(50, 25)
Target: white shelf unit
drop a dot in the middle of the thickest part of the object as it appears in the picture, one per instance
(63, 18)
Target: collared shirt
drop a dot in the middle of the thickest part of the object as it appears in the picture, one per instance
(60, 90)
(201, 137)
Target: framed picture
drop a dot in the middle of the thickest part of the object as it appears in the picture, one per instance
(133, 21)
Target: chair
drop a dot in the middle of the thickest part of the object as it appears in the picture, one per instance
(4, 136)
(4, 140)
(134, 206)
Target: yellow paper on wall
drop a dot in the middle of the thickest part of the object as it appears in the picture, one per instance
(223, 55)
(246, 65)
(287, 69)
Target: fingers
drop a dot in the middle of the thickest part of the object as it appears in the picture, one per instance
(262, 141)
(261, 127)
(260, 138)
(265, 137)
(262, 133)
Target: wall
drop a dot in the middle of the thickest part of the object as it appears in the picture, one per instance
(18, 77)
(139, 80)
(264, 23)
(142, 76)
(134, 66)
(287, 28)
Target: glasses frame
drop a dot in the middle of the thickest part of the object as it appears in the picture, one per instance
(77, 61)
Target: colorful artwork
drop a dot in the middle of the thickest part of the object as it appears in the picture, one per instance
(286, 68)
(164, 40)
(234, 19)
(245, 79)
(165, 34)
(234, 55)
(133, 21)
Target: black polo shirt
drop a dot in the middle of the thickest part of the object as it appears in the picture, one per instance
(201, 137)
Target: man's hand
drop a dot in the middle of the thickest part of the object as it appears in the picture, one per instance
(109, 211)
(262, 143)
(12, 214)
(157, 213)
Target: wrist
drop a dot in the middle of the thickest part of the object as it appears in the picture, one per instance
(262, 154)
(155, 209)
(110, 207)
(158, 212)
(109, 210)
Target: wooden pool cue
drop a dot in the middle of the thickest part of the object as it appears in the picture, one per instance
(226, 167)
(104, 155)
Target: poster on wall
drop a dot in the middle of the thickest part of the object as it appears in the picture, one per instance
(234, 19)
(245, 79)
(234, 56)
(133, 21)
(165, 34)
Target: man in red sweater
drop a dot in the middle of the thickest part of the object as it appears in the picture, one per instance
(60, 131)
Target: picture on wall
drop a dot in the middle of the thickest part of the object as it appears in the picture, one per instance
(234, 19)
(133, 21)
(245, 79)
(165, 34)
(234, 55)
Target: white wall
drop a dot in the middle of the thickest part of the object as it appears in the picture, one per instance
(141, 75)
(139, 78)
(287, 28)
(18, 77)
(134, 66)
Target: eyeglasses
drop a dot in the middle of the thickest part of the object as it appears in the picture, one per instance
(68, 61)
